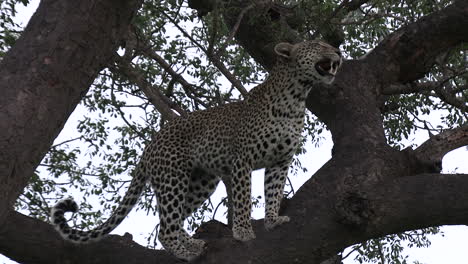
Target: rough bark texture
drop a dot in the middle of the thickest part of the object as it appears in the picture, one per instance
(366, 190)
(44, 76)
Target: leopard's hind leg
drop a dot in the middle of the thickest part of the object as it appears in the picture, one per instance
(171, 189)
(201, 187)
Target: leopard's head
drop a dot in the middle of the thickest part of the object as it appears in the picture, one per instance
(312, 61)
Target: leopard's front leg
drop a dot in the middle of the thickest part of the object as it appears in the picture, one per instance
(242, 205)
(275, 179)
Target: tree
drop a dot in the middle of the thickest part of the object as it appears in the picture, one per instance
(372, 186)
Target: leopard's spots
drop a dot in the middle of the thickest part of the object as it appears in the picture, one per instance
(185, 160)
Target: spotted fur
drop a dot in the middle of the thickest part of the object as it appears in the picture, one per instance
(186, 159)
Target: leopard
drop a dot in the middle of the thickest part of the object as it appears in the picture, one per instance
(187, 158)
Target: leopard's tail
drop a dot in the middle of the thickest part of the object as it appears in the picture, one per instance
(69, 205)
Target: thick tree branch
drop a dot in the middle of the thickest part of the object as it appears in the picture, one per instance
(423, 200)
(29, 240)
(435, 148)
(409, 88)
(445, 194)
(327, 214)
(45, 75)
(410, 52)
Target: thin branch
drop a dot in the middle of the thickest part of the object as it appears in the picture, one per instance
(355, 248)
(234, 29)
(381, 254)
(435, 148)
(450, 99)
(442, 90)
(214, 33)
(188, 87)
(163, 104)
(418, 87)
(347, 6)
(122, 115)
(214, 59)
(70, 171)
(66, 141)
(216, 209)
(229, 204)
(370, 17)
(292, 188)
(231, 78)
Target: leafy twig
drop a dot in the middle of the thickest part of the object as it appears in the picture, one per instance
(214, 59)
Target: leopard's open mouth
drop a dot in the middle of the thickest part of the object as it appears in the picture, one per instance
(327, 67)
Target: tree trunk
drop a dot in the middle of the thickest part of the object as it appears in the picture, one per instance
(45, 75)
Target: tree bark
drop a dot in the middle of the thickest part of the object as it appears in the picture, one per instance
(45, 75)
(366, 190)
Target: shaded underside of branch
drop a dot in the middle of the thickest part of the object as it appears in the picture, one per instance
(435, 148)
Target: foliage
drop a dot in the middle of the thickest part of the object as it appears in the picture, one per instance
(389, 249)
(9, 29)
(116, 118)
(412, 111)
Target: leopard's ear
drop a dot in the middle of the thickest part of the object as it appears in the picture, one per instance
(284, 49)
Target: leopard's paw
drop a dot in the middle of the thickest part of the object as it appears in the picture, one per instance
(243, 234)
(272, 222)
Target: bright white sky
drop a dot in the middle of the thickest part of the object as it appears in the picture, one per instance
(452, 248)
